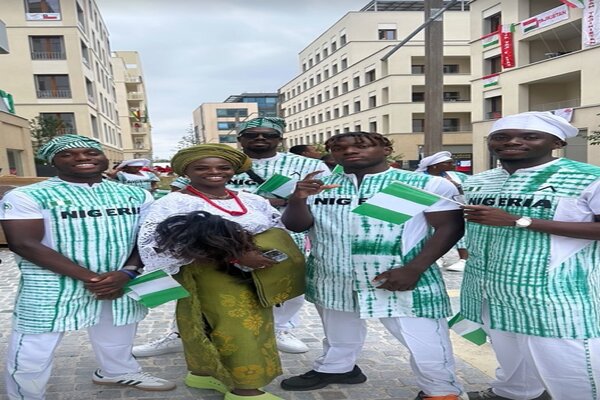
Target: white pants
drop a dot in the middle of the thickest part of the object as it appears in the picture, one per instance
(286, 314)
(30, 356)
(569, 369)
(427, 340)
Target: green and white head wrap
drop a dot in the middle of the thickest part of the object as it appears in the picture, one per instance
(65, 142)
(264, 122)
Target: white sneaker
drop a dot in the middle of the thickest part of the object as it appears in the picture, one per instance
(171, 343)
(458, 266)
(137, 380)
(288, 343)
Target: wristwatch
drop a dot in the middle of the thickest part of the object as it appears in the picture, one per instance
(523, 222)
(132, 268)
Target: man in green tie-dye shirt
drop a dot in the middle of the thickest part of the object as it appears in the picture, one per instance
(533, 278)
(76, 235)
(361, 267)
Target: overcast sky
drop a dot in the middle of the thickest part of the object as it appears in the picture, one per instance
(200, 51)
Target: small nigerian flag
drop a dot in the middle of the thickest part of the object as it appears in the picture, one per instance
(278, 185)
(338, 169)
(469, 330)
(155, 288)
(397, 203)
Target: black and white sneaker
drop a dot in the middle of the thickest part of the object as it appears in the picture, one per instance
(138, 380)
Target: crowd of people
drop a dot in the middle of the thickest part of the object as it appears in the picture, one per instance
(527, 234)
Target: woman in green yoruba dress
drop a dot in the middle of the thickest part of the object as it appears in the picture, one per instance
(231, 348)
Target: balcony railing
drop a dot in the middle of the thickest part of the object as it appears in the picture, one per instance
(493, 115)
(135, 96)
(48, 55)
(133, 79)
(54, 94)
(570, 103)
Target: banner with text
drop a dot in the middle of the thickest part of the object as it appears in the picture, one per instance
(507, 50)
(591, 24)
(546, 18)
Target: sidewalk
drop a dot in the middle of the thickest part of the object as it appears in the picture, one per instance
(384, 360)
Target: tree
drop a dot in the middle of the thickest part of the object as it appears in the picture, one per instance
(43, 129)
(189, 139)
(594, 137)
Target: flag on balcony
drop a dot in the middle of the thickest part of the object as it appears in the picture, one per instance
(397, 203)
(574, 3)
(469, 330)
(278, 185)
(491, 80)
(7, 99)
(155, 288)
(507, 51)
(490, 40)
(136, 114)
(529, 24)
(591, 25)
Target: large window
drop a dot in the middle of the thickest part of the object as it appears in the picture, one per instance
(225, 126)
(47, 47)
(52, 86)
(227, 139)
(40, 10)
(451, 68)
(232, 112)
(492, 65)
(63, 122)
(492, 23)
(417, 69)
(493, 107)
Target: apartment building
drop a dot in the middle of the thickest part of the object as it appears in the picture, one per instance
(267, 103)
(343, 84)
(545, 59)
(217, 122)
(59, 67)
(132, 105)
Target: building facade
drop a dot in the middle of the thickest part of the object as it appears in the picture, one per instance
(132, 105)
(217, 122)
(267, 103)
(343, 84)
(59, 68)
(548, 62)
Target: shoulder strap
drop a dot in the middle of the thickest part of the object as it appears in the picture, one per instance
(255, 177)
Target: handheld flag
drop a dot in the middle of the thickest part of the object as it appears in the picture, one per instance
(469, 330)
(155, 288)
(397, 203)
(278, 185)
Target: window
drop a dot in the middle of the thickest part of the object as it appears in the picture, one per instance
(492, 65)
(320, 117)
(47, 47)
(64, 122)
(304, 85)
(417, 69)
(346, 129)
(313, 120)
(336, 91)
(94, 122)
(357, 128)
(373, 126)
(232, 112)
(493, 107)
(303, 67)
(46, 10)
(334, 69)
(327, 94)
(356, 82)
(225, 126)
(336, 113)
(372, 102)
(343, 40)
(344, 63)
(344, 87)
(312, 101)
(450, 68)
(451, 125)
(227, 139)
(418, 97)
(346, 109)
(91, 93)
(317, 58)
(333, 46)
(319, 98)
(310, 63)
(418, 125)
(327, 115)
(492, 23)
(326, 73)
(387, 34)
(85, 54)
(325, 52)
(451, 96)
(318, 78)
(357, 106)
(311, 82)
(369, 76)
(52, 86)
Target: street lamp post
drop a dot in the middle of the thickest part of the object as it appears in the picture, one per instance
(434, 78)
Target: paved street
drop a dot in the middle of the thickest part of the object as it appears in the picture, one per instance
(384, 360)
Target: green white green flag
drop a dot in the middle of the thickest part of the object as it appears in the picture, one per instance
(397, 203)
(469, 330)
(155, 288)
(490, 40)
(278, 185)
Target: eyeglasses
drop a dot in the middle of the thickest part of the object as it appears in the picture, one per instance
(254, 135)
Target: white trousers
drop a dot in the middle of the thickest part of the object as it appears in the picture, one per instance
(568, 369)
(286, 314)
(427, 340)
(30, 356)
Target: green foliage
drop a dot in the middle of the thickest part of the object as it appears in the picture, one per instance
(594, 138)
(43, 129)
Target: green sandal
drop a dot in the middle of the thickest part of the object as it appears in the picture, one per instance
(264, 396)
(205, 382)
